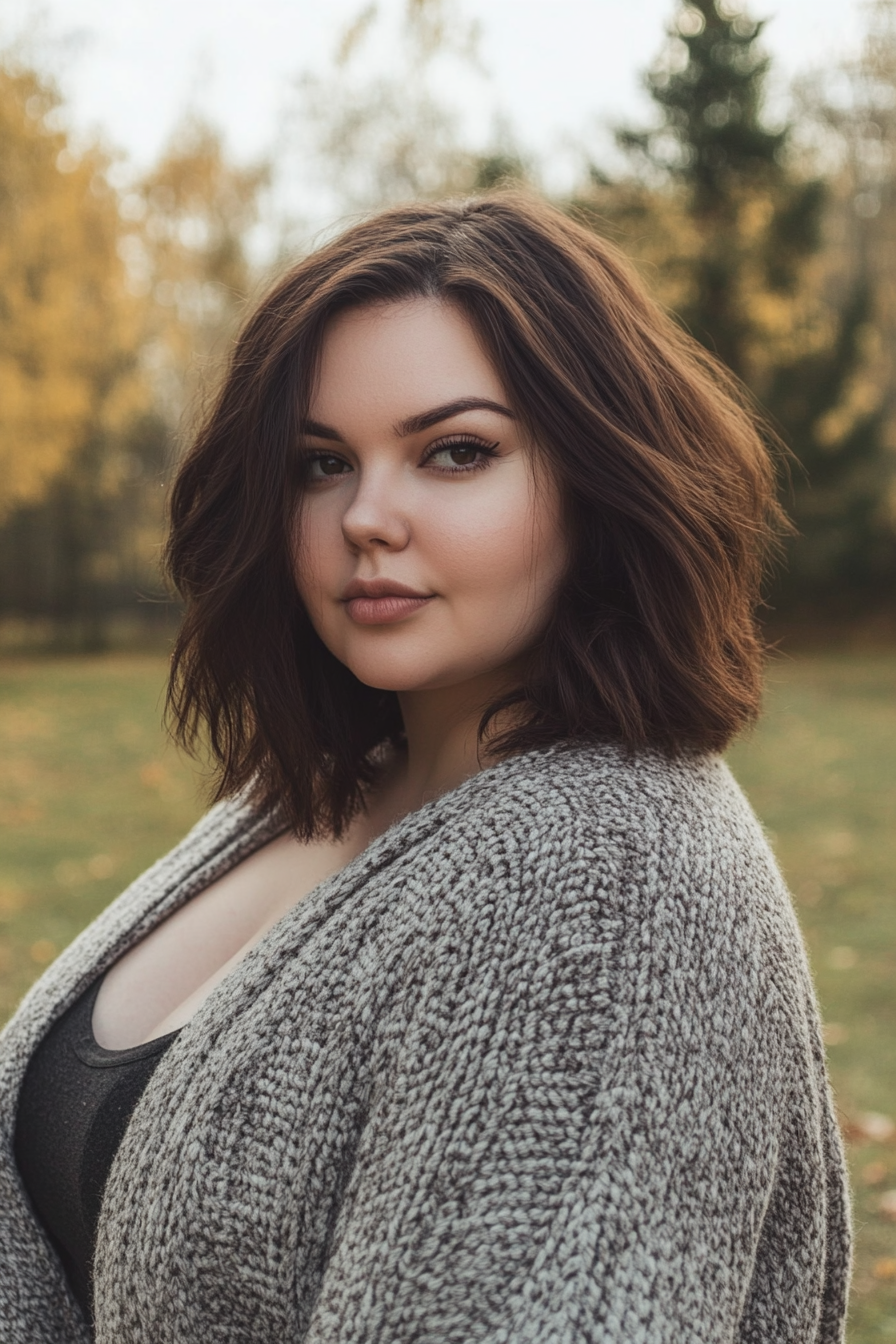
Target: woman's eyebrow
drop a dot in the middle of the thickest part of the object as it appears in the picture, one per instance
(415, 424)
(315, 430)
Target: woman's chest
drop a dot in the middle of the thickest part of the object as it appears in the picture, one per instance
(220, 1205)
(159, 984)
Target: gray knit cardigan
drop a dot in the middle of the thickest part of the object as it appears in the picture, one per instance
(541, 1066)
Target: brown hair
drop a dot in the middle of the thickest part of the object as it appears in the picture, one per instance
(667, 482)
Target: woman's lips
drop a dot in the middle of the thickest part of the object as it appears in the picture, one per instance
(383, 610)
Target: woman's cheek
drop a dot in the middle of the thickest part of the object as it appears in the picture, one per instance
(318, 548)
(485, 534)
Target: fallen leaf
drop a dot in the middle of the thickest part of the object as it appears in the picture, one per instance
(834, 1033)
(876, 1127)
(152, 774)
(12, 900)
(43, 951)
(839, 843)
(874, 1173)
(101, 865)
(887, 1204)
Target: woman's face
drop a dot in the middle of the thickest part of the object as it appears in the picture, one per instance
(427, 555)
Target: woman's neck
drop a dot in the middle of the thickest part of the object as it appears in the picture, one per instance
(443, 746)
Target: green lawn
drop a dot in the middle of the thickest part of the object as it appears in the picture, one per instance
(90, 794)
(821, 773)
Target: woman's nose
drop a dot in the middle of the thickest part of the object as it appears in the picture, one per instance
(375, 518)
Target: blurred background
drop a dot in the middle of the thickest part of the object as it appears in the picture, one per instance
(159, 163)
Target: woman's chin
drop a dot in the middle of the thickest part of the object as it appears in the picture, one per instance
(403, 675)
(381, 679)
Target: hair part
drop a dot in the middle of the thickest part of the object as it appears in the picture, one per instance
(665, 473)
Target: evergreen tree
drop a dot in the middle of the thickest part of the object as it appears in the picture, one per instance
(712, 141)
(756, 273)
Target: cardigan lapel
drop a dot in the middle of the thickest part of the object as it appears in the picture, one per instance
(222, 838)
(226, 835)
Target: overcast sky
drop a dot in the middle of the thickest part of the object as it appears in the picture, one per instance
(130, 67)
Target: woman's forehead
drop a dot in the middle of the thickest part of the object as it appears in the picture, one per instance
(401, 358)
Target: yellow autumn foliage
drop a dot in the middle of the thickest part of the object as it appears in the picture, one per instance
(69, 329)
(187, 223)
(658, 231)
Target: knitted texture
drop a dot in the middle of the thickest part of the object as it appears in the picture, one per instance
(543, 1064)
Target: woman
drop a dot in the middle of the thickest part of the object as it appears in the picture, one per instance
(476, 1009)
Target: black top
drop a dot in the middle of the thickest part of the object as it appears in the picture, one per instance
(74, 1107)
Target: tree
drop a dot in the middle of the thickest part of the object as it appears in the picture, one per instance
(377, 141)
(69, 329)
(106, 303)
(756, 222)
(75, 398)
(745, 235)
(190, 218)
(853, 105)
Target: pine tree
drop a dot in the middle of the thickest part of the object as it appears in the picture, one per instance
(760, 295)
(712, 141)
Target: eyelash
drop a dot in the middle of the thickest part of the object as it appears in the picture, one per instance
(485, 450)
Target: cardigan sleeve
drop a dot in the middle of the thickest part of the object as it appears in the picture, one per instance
(603, 1122)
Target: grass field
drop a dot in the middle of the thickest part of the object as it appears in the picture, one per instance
(90, 795)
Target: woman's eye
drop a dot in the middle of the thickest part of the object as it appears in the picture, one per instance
(461, 456)
(323, 466)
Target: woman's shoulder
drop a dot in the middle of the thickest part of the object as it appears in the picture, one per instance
(607, 788)
(652, 839)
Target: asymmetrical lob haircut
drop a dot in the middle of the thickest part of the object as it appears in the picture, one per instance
(666, 478)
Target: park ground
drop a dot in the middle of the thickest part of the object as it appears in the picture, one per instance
(91, 793)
